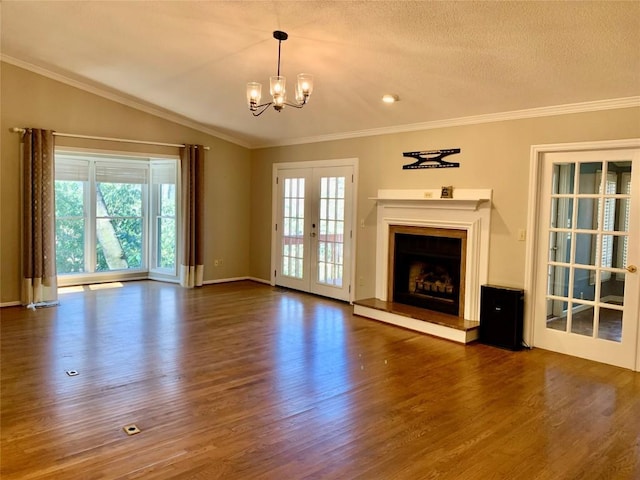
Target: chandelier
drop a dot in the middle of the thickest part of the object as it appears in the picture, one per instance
(304, 87)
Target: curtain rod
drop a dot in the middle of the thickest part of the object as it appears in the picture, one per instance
(108, 139)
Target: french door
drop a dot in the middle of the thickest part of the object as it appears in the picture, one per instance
(588, 252)
(313, 229)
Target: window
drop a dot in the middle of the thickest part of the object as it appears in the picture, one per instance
(115, 215)
(163, 214)
(72, 177)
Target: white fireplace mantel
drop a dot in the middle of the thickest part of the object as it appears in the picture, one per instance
(463, 199)
(468, 210)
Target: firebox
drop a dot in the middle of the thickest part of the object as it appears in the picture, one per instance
(427, 268)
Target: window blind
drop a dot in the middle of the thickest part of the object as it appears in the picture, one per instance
(72, 170)
(163, 173)
(115, 173)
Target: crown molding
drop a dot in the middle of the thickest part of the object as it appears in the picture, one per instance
(593, 106)
(119, 98)
(609, 104)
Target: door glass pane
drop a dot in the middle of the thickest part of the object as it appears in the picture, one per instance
(331, 231)
(559, 247)
(584, 284)
(561, 212)
(587, 214)
(612, 289)
(612, 210)
(563, 178)
(557, 315)
(558, 281)
(586, 248)
(293, 223)
(610, 324)
(606, 251)
(590, 177)
(620, 245)
(582, 319)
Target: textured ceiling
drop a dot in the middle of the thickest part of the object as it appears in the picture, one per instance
(445, 60)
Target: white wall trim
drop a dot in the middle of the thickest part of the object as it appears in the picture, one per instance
(582, 107)
(258, 280)
(225, 280)
(121, 98)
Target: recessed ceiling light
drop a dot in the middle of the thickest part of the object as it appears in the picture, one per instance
(388, 98)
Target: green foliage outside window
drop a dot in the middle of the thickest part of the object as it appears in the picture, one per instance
(69, 226)
(119, 237)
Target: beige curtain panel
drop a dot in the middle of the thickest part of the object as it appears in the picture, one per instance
(39, 282)
(192, 183)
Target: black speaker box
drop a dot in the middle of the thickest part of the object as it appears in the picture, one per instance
(501, 316)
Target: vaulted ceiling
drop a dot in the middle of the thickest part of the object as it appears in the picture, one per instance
(444, 60)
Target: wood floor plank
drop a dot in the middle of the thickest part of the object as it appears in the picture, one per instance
(247, 381)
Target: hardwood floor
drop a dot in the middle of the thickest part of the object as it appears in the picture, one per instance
(246, 381)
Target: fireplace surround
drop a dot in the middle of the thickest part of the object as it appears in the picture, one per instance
(468, 216)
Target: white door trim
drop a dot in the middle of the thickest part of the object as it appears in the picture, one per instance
(535, 172)
(344, 162)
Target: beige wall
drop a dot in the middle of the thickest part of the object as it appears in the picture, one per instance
(30, 100)
(238, 181)
(494, 155)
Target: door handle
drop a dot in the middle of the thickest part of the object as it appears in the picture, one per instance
(632, 268)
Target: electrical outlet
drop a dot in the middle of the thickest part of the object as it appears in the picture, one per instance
(221, 262)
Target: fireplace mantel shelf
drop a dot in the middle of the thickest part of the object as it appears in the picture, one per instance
(464, 199)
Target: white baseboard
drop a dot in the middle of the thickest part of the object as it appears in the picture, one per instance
(10, 304)
(224, 280)
(236, 279)
(259, 280)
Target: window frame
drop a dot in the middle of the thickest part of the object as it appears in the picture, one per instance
(155, 271)
(148, 269)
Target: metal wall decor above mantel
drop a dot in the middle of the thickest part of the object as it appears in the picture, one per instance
(431, 159)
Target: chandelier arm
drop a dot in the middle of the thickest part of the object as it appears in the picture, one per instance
(295, 105)
(264, 107)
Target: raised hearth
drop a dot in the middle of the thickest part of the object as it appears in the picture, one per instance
(422, 320)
